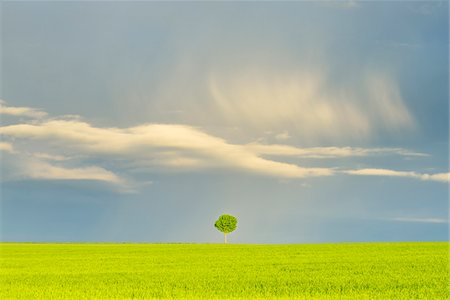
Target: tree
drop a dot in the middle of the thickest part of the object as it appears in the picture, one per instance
(226, 224)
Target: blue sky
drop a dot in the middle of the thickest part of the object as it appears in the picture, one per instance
(144, 121)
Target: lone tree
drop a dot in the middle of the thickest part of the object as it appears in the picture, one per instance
(226, 224)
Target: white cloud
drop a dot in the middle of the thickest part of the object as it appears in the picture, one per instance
(43, 170)
(443, 177)
(21, 111)
(440, 177)
(420, 220)
(51, 157)
(175, 146)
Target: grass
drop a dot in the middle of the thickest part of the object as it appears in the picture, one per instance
(210, 271)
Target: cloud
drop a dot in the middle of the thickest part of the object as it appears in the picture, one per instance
(387, 103)
(309, 105)
(167, 145)
(42, 170)
(440, 177)
(443, 177)
(6, 147)
(151, 148)
(21, 111)
(18, 166)
(51, 157)
(283, 136)
(287, 85)
(326, 152)
(420, 220)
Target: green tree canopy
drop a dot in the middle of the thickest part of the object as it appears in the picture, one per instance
(226, 224)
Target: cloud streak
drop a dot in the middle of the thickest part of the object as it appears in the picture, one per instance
(21, 111)
(440, 177)
(42, 170)
(327, 152)
(420, 220)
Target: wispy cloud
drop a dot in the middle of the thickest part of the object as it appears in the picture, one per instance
(18, 166)
(402, 44)
(282, 136)
(43, 170)
(21, 111)
(6, 147)
(309, 106)
(441, 177)
(420, 220)
(51, 157)
(327, 152)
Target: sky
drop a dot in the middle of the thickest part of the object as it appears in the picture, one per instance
(311, 122)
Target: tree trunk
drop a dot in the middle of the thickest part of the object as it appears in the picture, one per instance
(225, 238)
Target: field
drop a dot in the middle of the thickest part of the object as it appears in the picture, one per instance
(210, 271)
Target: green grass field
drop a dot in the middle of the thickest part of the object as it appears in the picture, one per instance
(210, 271)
